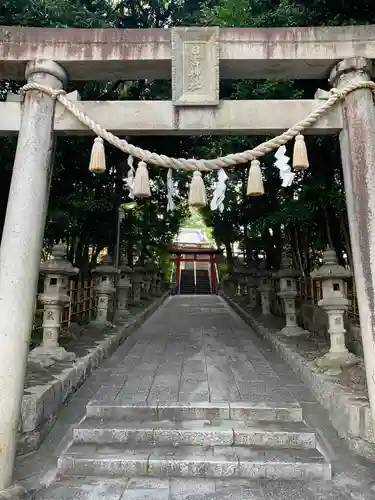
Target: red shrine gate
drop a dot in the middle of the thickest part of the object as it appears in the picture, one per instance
(195, 261)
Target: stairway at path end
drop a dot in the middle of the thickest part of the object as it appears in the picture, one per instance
(218, 441)
(198, 285)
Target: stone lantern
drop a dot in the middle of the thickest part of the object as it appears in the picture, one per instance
(242, 283)
(238, 278)
(334, 303)
(158, 283)
(265, 287)
(150, 271)
(252, 279)
(137, 279)
(145, 284)
(123, 288)
(231, 284)
(105, 288)
(288, 293)
(56, 271)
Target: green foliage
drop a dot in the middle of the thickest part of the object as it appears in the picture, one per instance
(83, 208)
(312, 213)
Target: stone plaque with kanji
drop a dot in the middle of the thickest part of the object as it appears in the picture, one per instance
(195, 66)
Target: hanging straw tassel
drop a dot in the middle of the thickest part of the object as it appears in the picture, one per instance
(97, 160)
(197, 193)
(300, 159)
(142, 181)
(255, 181)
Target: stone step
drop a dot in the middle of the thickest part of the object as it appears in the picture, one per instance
(193, 461)
(150, 488)
(243, 411)
(196, 432)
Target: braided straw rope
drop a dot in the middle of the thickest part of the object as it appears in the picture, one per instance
(191, 163)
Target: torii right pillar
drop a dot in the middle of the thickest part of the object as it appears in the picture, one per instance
(357, 142)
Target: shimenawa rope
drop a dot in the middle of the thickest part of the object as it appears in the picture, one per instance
(203, 165)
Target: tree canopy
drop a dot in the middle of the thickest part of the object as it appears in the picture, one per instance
(83, 208)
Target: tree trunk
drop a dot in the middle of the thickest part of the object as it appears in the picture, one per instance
(328, 229)
(228, 249)
(348, 247)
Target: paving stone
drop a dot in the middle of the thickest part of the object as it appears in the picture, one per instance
(285, 490)
(193, 411)
(195, 488)
(85, 489)
(260, 410)
(136, 411)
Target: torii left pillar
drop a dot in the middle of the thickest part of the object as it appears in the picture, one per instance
(21, 247)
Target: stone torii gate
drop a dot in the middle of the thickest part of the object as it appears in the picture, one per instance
(50, 56)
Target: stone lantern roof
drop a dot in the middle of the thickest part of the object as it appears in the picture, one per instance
(106, 267)
(58, 264)
(263, 272)
(287, 270)
(150, 266)
(330, 268)
(125, 268)
(138, 269)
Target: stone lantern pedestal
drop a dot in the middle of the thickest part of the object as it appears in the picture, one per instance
(57, 271)
(334, 303)
(137, 279)
(238, 279)
(232, 284)
(105, 289)
(123, 290)
(145, 286)
(252, 280)
(242, 285)
(265, 288)
(158, 281)
(288, 293)
(150, 271)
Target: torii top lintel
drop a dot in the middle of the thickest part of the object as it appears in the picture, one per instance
(96, 54)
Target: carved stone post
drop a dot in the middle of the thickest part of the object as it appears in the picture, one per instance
(237, 279)
(158, 281)
(252, 284)
(242, 284)
(149, 279)
(357, 142)
(123, 289)
(105, 289)
(265, 288)
(232, 284)
(335, 303)
(288, 293)
(21, 247)
(56, 285)
(137, 284)
(155, 290)
(145, 285)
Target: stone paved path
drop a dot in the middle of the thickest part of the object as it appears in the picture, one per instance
(194, 349)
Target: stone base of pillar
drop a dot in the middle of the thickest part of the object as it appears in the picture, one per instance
(47, 356)
(333, 362)
(293, 331)
(122, 317)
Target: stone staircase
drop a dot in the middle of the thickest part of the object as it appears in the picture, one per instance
(187, 285)
(203, 440)
(203, 286)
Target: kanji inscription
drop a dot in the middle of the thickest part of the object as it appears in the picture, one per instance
(195, 66)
